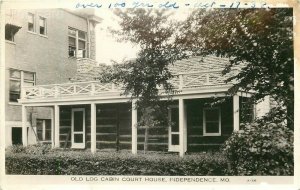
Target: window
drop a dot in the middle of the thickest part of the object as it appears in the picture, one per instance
(43, 127)
(31, 22)
(211, 122)
(10, 32)
(43, 26)
(16, 135)
(77, 43)
(18, 79)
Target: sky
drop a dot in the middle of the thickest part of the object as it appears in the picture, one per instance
(108, 48)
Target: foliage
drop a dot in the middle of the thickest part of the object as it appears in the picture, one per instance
(275, 115)
(259, 41)
(112, 163)
(146, 78)
(261, 149)
(36, 149)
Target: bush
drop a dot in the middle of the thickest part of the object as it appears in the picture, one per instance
(114, 163)
(261, 149)
(36, 149)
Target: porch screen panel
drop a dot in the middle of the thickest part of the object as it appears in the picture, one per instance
(78, 121)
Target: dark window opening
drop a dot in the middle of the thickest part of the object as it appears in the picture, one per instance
(175, 139)
(16, 135)
(10, 32)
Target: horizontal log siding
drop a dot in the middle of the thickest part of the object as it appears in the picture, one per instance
(108, 116)
(157, 140)
(106, 125)
(64, 126)
(195, 139)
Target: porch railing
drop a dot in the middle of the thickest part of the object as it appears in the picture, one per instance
(181, 81)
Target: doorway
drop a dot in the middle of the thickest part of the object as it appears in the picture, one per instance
(78, 128)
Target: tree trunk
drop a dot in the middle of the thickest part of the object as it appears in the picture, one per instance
(146, 140)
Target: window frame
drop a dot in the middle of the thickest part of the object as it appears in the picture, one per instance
(205, 122)
(45, 27)
(77, 39)
(22, 81)
(34, 29)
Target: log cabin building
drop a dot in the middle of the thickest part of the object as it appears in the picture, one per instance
(87, 114)
(53, 97)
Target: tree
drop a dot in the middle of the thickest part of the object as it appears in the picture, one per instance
(146, 78)
(261, 39)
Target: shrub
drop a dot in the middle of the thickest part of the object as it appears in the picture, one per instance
(261, 149)
(16, 149)
(114, 163)
(36, 149)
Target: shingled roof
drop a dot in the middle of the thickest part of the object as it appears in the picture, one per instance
(197, 63)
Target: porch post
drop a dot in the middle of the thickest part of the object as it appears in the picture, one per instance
(134, 128)
(93, 127)
(236, 113)
(182, 128)
(56, 126)
(24, 126)
(52, 127)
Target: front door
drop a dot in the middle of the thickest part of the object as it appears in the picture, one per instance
(78, 128)
(174, 129)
